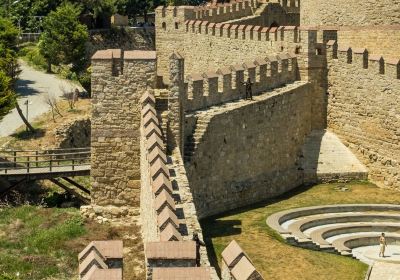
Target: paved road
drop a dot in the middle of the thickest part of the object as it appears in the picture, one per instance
(34, 86)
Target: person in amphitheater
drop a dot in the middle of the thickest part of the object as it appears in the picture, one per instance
(383, 245)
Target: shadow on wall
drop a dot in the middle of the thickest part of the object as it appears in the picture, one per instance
(310, 156)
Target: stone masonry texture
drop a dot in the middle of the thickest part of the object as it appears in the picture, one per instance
(345, 12)
(364, 110)
(115, 136)
(382, 40)
(255, 156)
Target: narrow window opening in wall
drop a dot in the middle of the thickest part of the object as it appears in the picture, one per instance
(318, 51)
(176, 25)
(224, 140)
(282, 48)
(297, 50)
(164, 26)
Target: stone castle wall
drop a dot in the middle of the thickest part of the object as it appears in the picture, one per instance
(211, 50)
(206, 45)
(203, 90)
(272, 14)
(255, 155)
(364, 110)
(118, 81)
(354, 12)
(382, 40)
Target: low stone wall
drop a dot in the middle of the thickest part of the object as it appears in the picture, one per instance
(74, 135)
(249, 151)
(363, 109)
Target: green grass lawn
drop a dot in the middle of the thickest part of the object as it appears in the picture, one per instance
(275, 259)
(43, 243)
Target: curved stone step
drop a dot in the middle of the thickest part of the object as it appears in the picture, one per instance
(299, 226)
(277, 219)
(347, 243)
(319, 236)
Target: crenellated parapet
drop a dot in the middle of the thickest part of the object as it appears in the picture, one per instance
(362, 108)
(288, 34)
(225, 84)
(168, 246)
(360, 57)
(224, 12)
(291, 6)
(213, 13)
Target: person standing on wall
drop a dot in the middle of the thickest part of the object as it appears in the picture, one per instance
(198, 244)
(383, 245)
(249, 90)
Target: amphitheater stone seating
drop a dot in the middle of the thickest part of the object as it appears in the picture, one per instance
(339, 228)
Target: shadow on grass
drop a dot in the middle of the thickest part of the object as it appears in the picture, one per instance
(27, 135)
(214, 227)
(217, 228)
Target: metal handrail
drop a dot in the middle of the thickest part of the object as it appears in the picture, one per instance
(45, 155)
(41, 161)
(47, 160)
(69, 149)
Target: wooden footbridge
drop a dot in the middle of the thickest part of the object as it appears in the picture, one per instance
(19, 166)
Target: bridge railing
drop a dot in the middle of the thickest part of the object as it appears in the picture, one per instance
(28, 161)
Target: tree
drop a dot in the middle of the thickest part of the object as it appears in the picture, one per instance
(64, 37)
(9, 70)
(8, 34)
(7, 96)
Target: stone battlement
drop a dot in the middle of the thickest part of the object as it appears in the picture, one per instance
(227, 83)
(360, 56)
(212, 13)
(244, 32)
(168, 244)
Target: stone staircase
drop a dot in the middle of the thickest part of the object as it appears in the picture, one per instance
(194, 139)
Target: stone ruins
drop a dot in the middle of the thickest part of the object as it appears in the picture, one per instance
(174, 141)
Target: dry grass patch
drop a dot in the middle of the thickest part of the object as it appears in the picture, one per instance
(271, 255)
(44, 137)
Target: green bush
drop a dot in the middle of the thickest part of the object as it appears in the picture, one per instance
(84, 79)
(31, 54)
